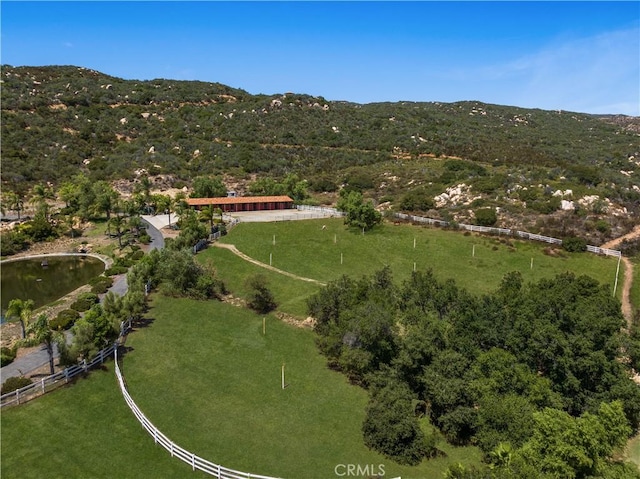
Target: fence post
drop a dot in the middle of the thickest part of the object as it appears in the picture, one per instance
(42, 385)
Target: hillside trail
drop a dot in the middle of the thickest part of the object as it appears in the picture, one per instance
(627, 309)
(239, 253)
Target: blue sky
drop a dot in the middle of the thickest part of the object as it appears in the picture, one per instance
(578, 56)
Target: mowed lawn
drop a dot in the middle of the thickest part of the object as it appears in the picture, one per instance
(204, 374)
(84, 430)
(632, 451)
(305, 248)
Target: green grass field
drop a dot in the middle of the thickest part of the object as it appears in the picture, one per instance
(477, 263)
(207, 377)
(80, 431)
(224, 400)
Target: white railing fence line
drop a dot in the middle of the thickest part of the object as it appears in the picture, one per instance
(320, 209)
(190, 458)
(502, 231)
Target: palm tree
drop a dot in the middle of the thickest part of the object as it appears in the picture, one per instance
(144, 190)
(501, 455)
(164, 203)
(42, 333)
(70, 221)
(20, 310)
(106, 200)
(208, 213)
(117, 222)
(14, 201)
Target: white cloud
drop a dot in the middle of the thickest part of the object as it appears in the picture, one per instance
(600, 74)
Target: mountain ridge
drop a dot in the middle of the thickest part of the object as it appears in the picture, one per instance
(61, 120)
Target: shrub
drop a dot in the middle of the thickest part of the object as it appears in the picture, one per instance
(84, 301)
(261, 299)
(136, 255)
(13, 242)
(486, 216)
(14, 383)
(144, 238)
(602, 226)
(322, 183)
(417, 200)
(115, 270)
(545, 206)
(573, 244)
(122, 262)
(64, 319)
(7, 355)
(100, 284)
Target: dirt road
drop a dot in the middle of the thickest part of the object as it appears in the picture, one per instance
(239, 253)
(627, 308)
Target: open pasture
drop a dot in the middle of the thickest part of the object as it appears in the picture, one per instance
(206, 375)
(326, 249)
(83, 430)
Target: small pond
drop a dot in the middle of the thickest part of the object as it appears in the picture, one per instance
(47, 278)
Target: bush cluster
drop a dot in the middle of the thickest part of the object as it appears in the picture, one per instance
(84, 302)
(100, 284)
(14, 383)
(574, 244)
(7, 355)
(64, 319)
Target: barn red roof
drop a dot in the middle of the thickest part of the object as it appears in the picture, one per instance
(238, 200)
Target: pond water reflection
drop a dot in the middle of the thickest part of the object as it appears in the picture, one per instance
(45, 279)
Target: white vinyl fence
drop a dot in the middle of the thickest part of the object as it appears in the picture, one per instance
(503, 231)
(320, 210)
(176, 451)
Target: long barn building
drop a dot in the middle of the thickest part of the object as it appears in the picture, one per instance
(243, 203)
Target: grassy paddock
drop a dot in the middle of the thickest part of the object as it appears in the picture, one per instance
(85, 430)
(477, 263)
(290, 294)
(224, 399)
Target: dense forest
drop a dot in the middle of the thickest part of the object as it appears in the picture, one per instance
(57, 121)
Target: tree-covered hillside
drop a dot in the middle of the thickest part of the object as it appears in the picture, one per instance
(59, 120)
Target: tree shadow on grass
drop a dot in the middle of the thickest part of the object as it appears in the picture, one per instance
(142, 323)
